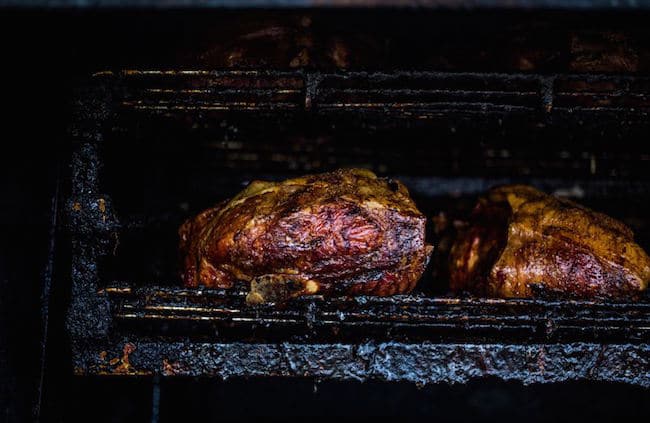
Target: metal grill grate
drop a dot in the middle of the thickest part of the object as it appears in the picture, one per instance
(403, 317)
(418, 95)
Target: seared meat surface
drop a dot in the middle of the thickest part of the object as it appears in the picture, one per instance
(344, 232)
(521, 240)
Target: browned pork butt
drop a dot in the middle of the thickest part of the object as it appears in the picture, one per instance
(344, 232)
(520, 240)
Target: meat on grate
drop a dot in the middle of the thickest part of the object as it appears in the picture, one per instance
(344, 232)
(521, 241)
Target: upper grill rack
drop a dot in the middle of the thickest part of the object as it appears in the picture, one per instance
(418, 95)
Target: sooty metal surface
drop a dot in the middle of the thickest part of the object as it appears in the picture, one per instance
(388, 361)
(129, 329)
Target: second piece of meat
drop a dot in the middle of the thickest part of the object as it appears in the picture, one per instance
(520, 239)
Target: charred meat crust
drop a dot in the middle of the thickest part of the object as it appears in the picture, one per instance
(344, 232)
(521, 239)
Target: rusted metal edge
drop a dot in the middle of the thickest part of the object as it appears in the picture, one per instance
(88, 215)
(388, 361)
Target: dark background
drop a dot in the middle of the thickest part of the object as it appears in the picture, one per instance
(43, 55)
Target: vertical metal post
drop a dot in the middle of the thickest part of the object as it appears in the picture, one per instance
(45, 293)
(155, 400)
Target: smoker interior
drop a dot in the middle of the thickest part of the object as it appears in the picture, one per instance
(444, 102)
(195, 138)
(449, 106)
(183, 142)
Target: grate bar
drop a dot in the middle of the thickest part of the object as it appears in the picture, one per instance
(401, 91)
(392, 317)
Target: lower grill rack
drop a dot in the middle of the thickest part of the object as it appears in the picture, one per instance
(176, 332)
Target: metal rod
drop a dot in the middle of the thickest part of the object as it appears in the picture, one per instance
(45, 293)
(155, 399)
